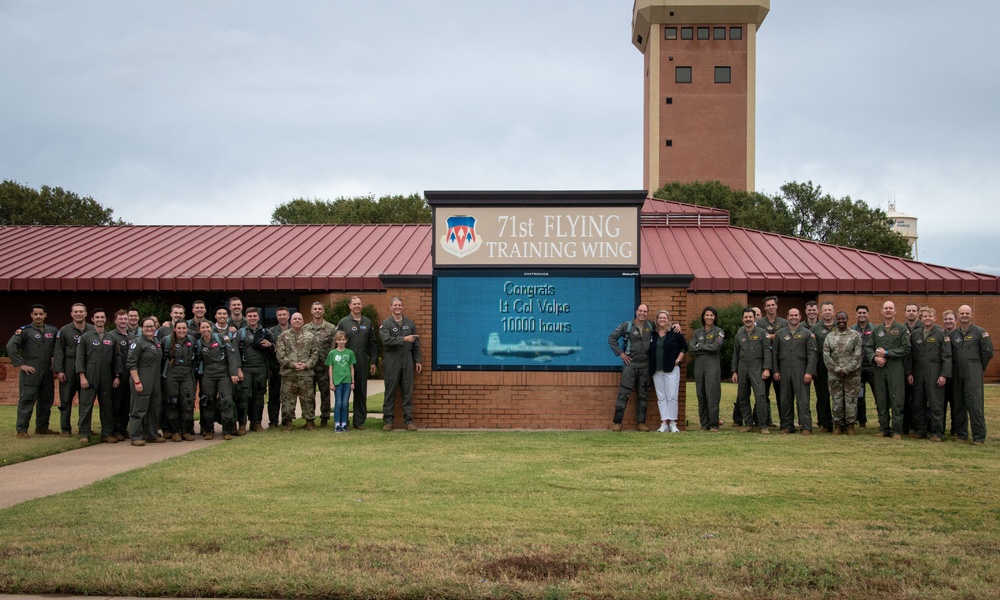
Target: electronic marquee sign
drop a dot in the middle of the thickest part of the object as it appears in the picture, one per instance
(554, 320)
(533, 280)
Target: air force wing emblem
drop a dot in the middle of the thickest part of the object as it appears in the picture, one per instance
(460, 239)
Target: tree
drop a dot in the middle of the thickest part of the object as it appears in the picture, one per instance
(357, 210)
(751, 210)
(22, 205)
(801, 210)
(842, 221)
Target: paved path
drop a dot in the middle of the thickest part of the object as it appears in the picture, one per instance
(76, 468)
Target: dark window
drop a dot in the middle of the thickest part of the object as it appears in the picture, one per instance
(670, 143)
(670, 100)
(682, 74)
(736, 33)
(687, 33)
(638, 38)
(670, 33)
(719, 33)
(723, 74)
(703, 33)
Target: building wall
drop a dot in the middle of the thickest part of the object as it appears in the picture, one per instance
(985, 312)
(514, 400)
(707, 124)
(377, 299)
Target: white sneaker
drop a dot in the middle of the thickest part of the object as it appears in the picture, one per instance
(673, 428)
(663, 429)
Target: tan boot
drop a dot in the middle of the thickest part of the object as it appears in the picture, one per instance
(208, 437)
(837, 430)
(176, 437)
(642, 427)
(850, 430)
(288, 426)
(616, 427)
(310, 424)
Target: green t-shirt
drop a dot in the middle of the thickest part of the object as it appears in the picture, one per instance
(341, 361)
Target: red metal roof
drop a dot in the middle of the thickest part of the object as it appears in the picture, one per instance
(745, 260)
(669, 207)
(351, 258)
(210, 258)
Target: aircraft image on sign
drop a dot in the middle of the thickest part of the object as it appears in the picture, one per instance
(537, 350)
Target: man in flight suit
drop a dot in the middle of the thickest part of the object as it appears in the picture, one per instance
(30, 350)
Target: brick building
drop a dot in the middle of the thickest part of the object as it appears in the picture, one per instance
(691, 257)
(699, 102)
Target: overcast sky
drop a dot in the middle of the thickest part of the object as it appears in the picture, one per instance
(217, 112)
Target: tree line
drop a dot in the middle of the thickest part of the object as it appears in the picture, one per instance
(801, 210)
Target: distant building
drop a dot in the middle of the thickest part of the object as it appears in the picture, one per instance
(700, 89)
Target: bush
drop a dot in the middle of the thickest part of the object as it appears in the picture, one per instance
(730, 320)
(155, 306)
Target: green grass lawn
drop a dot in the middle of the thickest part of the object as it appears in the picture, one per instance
(531, 515)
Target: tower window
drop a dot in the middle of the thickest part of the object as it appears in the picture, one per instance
(687, 33)
(723, 74)
(736, 33)
(719, 33)
(670, 143)
(703, 33)
(670, 33)
(682, 74)
(670, 100)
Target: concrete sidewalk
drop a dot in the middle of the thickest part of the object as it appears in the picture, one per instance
(76, 468)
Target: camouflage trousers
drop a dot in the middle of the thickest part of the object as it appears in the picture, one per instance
(294, 387)
(844, 390)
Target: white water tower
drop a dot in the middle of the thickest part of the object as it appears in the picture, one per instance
(903, 224)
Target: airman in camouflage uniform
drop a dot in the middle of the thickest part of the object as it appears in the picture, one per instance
(322, 332)
(843, 350)
(888, 348)
(298, 355)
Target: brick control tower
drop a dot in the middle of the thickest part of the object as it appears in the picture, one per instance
(700, 91)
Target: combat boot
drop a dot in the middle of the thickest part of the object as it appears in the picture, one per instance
(616, 427)
(837, 430)
(288, 426)
(324, 422)
(310, 424)
(850, 430)
(208, 437)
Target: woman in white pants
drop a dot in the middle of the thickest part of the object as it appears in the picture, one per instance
(666, 351)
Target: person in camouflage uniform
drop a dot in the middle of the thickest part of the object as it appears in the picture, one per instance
(888, 347)
(298, 355)
(843, 349)
(322, 332)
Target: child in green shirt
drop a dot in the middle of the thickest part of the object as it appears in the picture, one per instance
(340, 364)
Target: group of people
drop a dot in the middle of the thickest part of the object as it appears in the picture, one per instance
(915, 368)
(145, 377)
